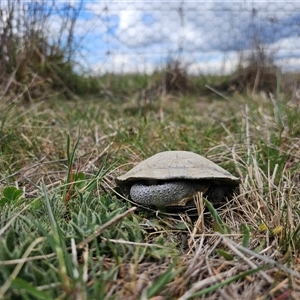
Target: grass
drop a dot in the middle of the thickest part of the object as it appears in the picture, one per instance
(66, 234)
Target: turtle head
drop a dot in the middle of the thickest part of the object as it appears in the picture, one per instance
(217, 193)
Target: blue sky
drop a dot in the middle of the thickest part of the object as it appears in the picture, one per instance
(130, 36)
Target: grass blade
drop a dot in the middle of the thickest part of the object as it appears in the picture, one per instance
(30, 289)
(228, 281)
(161, 282)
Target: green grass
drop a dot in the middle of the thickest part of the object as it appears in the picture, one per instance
(65, 233)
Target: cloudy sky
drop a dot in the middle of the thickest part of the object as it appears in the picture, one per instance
(130, 36)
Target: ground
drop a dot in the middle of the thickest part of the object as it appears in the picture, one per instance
(66, 233)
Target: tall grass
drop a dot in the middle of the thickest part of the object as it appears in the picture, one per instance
(59, 204)
(66, 231)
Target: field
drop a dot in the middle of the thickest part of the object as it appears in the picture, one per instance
(66, 232)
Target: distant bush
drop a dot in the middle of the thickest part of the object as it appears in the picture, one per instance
(33, 62)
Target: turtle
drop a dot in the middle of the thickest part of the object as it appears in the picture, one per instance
(173, 178)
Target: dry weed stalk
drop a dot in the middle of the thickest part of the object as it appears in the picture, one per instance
(30, 64)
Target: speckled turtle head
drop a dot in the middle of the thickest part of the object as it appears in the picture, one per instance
(172, 178)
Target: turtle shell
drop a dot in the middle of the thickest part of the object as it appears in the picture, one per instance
(174, 165)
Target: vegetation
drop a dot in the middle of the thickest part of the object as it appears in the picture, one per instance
(67, 233)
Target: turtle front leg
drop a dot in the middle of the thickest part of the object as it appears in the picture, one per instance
(163, 194)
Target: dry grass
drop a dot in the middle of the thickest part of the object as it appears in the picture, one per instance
(246, 249)
(66, 233)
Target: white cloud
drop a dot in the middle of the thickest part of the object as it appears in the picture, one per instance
(124, 63)
(125, 36)
(289, 64)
